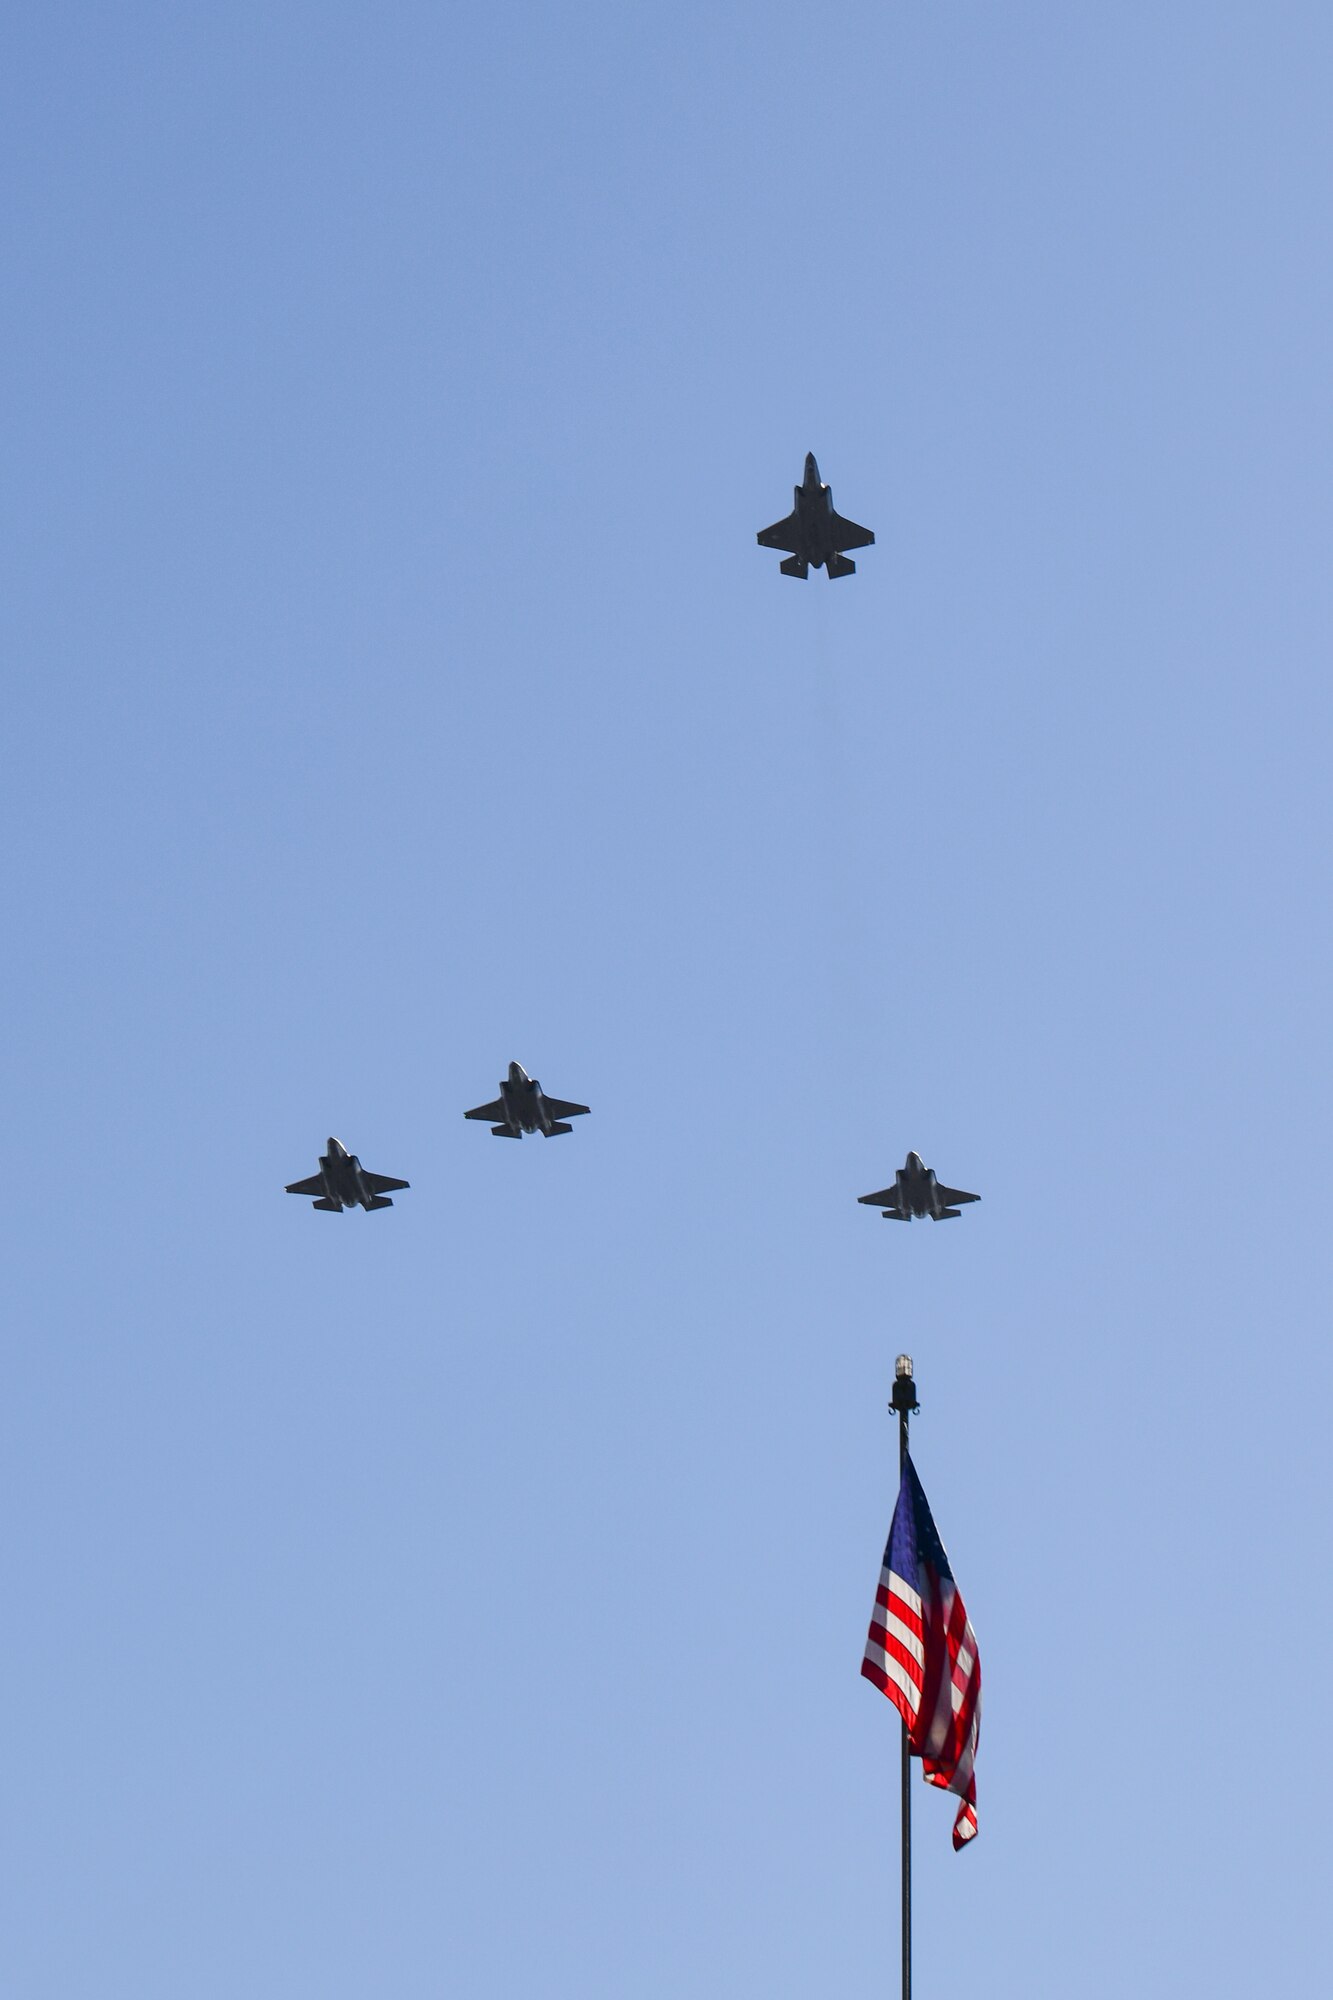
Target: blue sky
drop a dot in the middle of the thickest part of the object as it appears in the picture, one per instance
(470, 1599)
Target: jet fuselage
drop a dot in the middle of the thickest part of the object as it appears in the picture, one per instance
(814, 512)
(525, 1107)
(341, 1172)
(915, 1182)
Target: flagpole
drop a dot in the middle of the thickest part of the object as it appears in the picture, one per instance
(905, 1403)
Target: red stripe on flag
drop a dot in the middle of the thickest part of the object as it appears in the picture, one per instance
(889, 1599)
(896, 1650)
(878, 1678)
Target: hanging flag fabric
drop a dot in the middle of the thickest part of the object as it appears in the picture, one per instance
(922, 1653)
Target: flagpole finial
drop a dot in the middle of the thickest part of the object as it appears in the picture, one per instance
(904, 1388)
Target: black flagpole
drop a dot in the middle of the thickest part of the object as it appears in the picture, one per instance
(904, 1402)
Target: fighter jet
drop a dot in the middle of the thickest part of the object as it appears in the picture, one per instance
(523, 1106)
(916, 1191)
(342, 1182)
(813, 532)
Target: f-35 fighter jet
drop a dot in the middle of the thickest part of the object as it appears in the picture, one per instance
(916, 1191)
(342, 1182)
(523, 1106)
(813, 532)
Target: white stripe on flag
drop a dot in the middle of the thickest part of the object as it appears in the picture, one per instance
(893, 1670)
(904, 1634)
(893, 1583)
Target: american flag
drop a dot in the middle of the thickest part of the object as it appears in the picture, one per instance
(922, 1653)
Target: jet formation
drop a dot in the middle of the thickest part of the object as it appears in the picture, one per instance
(916, 1192)
(817, 537)
(523, 1106)
(342, 1182)
(814, 533)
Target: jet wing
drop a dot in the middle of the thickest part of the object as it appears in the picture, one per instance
(886, 1198)
(952, 1196)
(844, 535)
(559, 1109)
(315, 1185)
(381, 1183)
(492, 1114)
(787, 535)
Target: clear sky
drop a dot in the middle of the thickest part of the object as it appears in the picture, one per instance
(469, 1600)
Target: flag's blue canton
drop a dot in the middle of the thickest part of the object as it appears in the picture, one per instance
(913, 1537)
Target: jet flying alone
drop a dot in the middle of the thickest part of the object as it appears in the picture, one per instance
(915, 1191)
(814, 533)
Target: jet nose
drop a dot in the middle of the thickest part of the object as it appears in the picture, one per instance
(914, 1160)
(337, 1148)
(517, 1073)
(811, 470)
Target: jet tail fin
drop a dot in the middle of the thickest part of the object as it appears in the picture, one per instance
(838, 566)
(794, 566)
(894, 1215)
(503, 1132)
(379, 1201)
(557, 1128)
(329, 1207)
(947, 1215)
